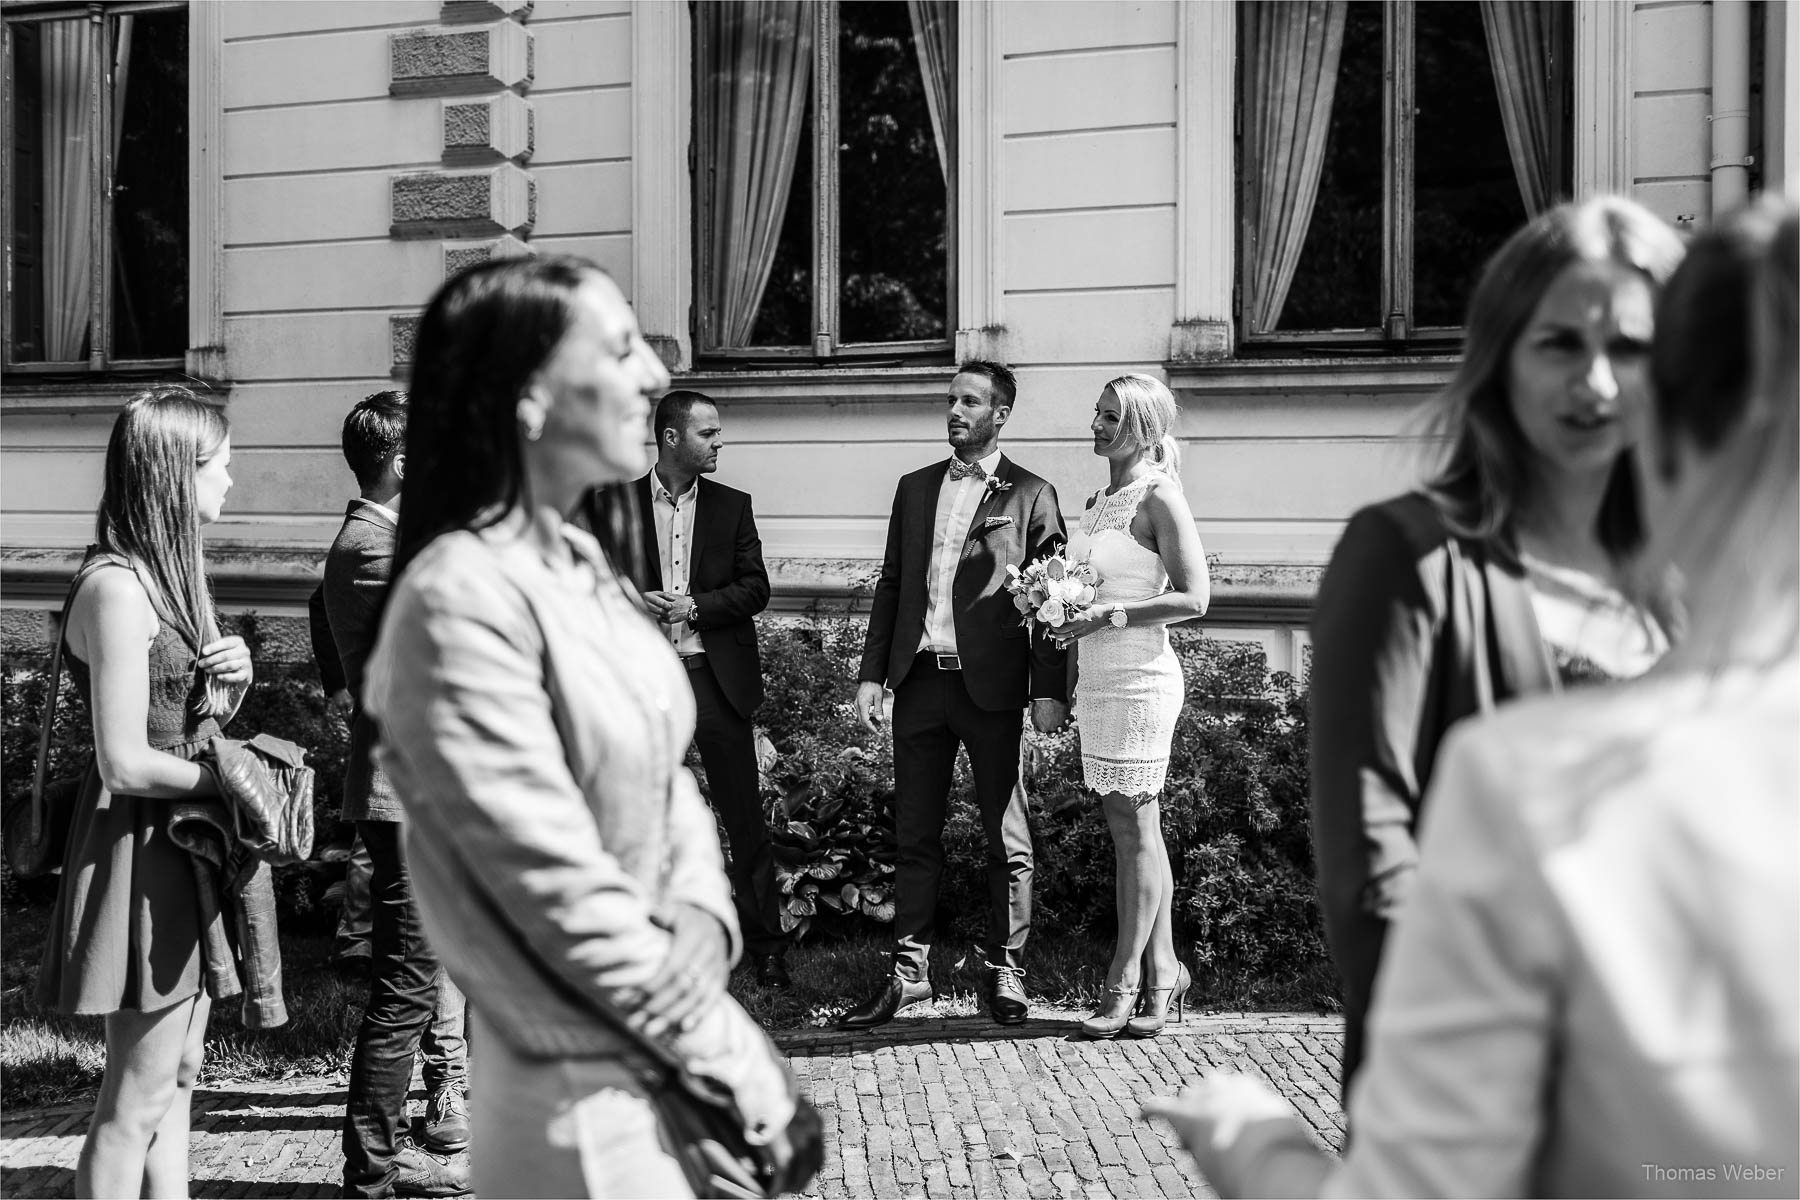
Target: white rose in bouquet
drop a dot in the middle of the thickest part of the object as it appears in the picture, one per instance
(1053, 613)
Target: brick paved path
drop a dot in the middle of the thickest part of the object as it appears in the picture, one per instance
(954, 1107)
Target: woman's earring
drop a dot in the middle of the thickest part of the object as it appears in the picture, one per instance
(531, 419)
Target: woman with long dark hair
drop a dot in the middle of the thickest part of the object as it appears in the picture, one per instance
(144, 649)
(1509, 573)
(1596, 991)
(534, 723)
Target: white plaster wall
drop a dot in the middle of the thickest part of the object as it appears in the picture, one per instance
(311, 277)
(1087, 182)
(1087, 236)
(1671, 90)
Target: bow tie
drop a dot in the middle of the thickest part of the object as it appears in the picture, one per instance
(962, 470)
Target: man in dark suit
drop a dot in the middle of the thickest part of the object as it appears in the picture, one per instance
(704, 580)
(945, 636)
(413, 1007)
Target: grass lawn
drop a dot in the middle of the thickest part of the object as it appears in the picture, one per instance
(49, 1059)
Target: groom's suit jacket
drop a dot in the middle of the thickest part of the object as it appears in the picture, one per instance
(1013, 525)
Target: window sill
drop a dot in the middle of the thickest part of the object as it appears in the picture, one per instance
(1411, 376)
(830, 385)
(101, 394)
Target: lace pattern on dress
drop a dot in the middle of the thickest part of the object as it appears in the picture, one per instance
(1107, 513)
(1130, 688)
(1139, 781)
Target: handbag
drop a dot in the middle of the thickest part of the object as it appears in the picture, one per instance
(36, 826)
(718, 1155)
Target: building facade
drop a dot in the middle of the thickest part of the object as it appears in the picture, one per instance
(1276, 208)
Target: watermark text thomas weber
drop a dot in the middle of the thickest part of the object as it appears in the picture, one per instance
(1734, 1172)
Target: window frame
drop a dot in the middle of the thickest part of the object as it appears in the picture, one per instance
(101, 169)
(1395, 332)
(825, 350)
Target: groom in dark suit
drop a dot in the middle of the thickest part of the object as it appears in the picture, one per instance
(704, 580)
(945, 636)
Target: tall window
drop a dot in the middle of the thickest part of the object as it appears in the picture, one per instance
(1386, 150)
(96, 187)
(825, 140)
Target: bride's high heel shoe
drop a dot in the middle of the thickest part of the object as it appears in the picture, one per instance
(1158, 1008)
(1114, 1014)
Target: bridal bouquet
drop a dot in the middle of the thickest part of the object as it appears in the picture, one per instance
(1053, 589)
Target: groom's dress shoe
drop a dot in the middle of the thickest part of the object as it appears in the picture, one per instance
(1006, 995)
(880, 1008)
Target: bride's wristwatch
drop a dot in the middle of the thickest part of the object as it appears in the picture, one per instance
(1116, 616)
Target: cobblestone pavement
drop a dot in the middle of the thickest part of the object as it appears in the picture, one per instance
(941, 1107)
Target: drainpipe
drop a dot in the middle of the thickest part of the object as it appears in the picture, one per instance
(1781, 68)
(1730, 105)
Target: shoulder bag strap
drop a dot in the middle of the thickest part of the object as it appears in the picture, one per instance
(53, 687)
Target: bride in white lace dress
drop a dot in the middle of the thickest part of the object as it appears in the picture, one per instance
(1138, 533)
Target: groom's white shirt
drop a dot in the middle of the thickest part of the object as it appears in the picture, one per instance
(956, 505)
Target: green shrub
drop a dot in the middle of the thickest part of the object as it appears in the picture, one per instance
(828, 785)
(1234, 813)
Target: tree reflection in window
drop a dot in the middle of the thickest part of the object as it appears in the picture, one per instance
(862, 260)
(1418, 184)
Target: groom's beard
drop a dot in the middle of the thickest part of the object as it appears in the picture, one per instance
(981, 433)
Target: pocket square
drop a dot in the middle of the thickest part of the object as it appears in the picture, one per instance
(991, 524)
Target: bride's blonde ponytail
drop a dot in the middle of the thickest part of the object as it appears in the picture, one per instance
(1167, 456)
(1147, 415)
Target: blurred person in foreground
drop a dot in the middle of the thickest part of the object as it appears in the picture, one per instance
(1507, 574)
(533, 720)
(1596, 991)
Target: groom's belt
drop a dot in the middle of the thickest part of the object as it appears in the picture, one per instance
(939, 661)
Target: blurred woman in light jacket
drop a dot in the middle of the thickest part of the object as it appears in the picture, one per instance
(534, 723)
(1596, 990)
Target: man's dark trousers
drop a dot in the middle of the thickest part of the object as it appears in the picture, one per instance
(932, 714)
(727, 744)
(402, 999)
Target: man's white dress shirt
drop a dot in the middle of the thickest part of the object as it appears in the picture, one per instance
(674, 549)
(957, 501)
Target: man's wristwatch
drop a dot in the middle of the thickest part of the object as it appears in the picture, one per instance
(1115, 616)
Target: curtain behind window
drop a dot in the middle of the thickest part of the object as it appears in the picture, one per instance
(1291, 51)
(759, 65)
(69, 63)
(934, 37)
(1521, 37)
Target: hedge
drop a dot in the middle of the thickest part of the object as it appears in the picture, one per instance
(1234, 813)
